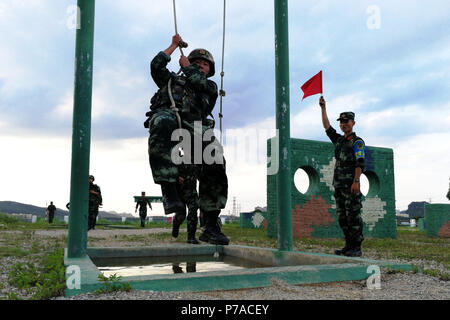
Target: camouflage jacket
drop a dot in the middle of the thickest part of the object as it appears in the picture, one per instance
(93, 198)
(194, 95)
(349, 153)
(142, 204)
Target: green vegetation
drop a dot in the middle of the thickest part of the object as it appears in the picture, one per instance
(43, 281)
(112, 284)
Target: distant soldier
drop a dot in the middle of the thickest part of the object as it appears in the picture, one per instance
(51, 209)
(95, 200)
(142, 204)
(349, 150)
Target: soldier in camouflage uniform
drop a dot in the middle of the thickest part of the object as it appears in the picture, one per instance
(187, 190)
(95, 200)
(187, 99)
(142, 203)
(350, 162)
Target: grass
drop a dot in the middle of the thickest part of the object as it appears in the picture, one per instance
(40, 272)
(42, 281)
(112, 284)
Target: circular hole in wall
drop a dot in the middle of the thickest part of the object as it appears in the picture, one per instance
(364, 184)
(301, 180)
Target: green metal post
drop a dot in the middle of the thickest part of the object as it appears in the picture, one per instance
(81, 130)
(283, 125)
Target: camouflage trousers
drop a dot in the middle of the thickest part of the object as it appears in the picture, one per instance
(348, 209)
(92, 218)
(187, 191)
(213, 181)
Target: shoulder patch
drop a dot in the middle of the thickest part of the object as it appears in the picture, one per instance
(359, 149)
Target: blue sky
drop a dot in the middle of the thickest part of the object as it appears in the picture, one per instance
(394, 74)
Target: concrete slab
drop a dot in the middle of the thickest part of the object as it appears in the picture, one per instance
(294, 267)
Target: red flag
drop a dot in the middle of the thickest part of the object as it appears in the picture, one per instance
(313, 86)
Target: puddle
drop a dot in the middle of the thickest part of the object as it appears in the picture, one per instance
(145, 266)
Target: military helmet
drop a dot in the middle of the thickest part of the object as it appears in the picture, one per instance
(205, 55)
(92, 177)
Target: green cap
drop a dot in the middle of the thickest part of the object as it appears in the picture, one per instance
(346, 116)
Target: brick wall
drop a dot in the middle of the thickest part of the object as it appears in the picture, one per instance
(437, 219)
(314, 212)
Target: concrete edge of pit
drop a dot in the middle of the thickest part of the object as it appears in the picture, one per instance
(352, 269)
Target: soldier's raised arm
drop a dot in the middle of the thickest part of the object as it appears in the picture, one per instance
(325, 121)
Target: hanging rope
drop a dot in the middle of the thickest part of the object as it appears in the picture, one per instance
(222, 74)
(182, 44)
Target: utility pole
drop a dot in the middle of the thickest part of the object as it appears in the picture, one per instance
(81, 131)
(283, 125)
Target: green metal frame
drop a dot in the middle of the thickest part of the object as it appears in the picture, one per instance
(81, 131)
(81, 135)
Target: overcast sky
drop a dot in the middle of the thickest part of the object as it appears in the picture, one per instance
(387, 61)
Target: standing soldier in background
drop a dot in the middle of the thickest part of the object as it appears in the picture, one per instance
(350, 161)
(95, 200)
(185, 101)
(187, 190)
(142, 204)
(51, 209)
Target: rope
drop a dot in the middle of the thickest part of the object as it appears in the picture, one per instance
(222, 74)
(173, 106)
(182, 44)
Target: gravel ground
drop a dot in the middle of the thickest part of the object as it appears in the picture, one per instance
(394, 286)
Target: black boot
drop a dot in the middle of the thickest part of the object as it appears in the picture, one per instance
(192, 221)
(170, 198)
(178, 220)
(355, 250)
(212, 233)
(344, 249)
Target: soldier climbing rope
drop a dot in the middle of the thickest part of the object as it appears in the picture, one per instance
(222, 93)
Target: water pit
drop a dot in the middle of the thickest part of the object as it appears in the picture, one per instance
(144, 266)
(184, 267)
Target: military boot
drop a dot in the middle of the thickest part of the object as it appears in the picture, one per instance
(342, 251)
(178, 220)
(212, 233)
(192, 227)
(170, 198)
(355, 250)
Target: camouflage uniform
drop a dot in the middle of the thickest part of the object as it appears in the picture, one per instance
(142, 204)
(195, 97)
(187, 190)
(349, 153)
(94, 202)
(51, 209)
